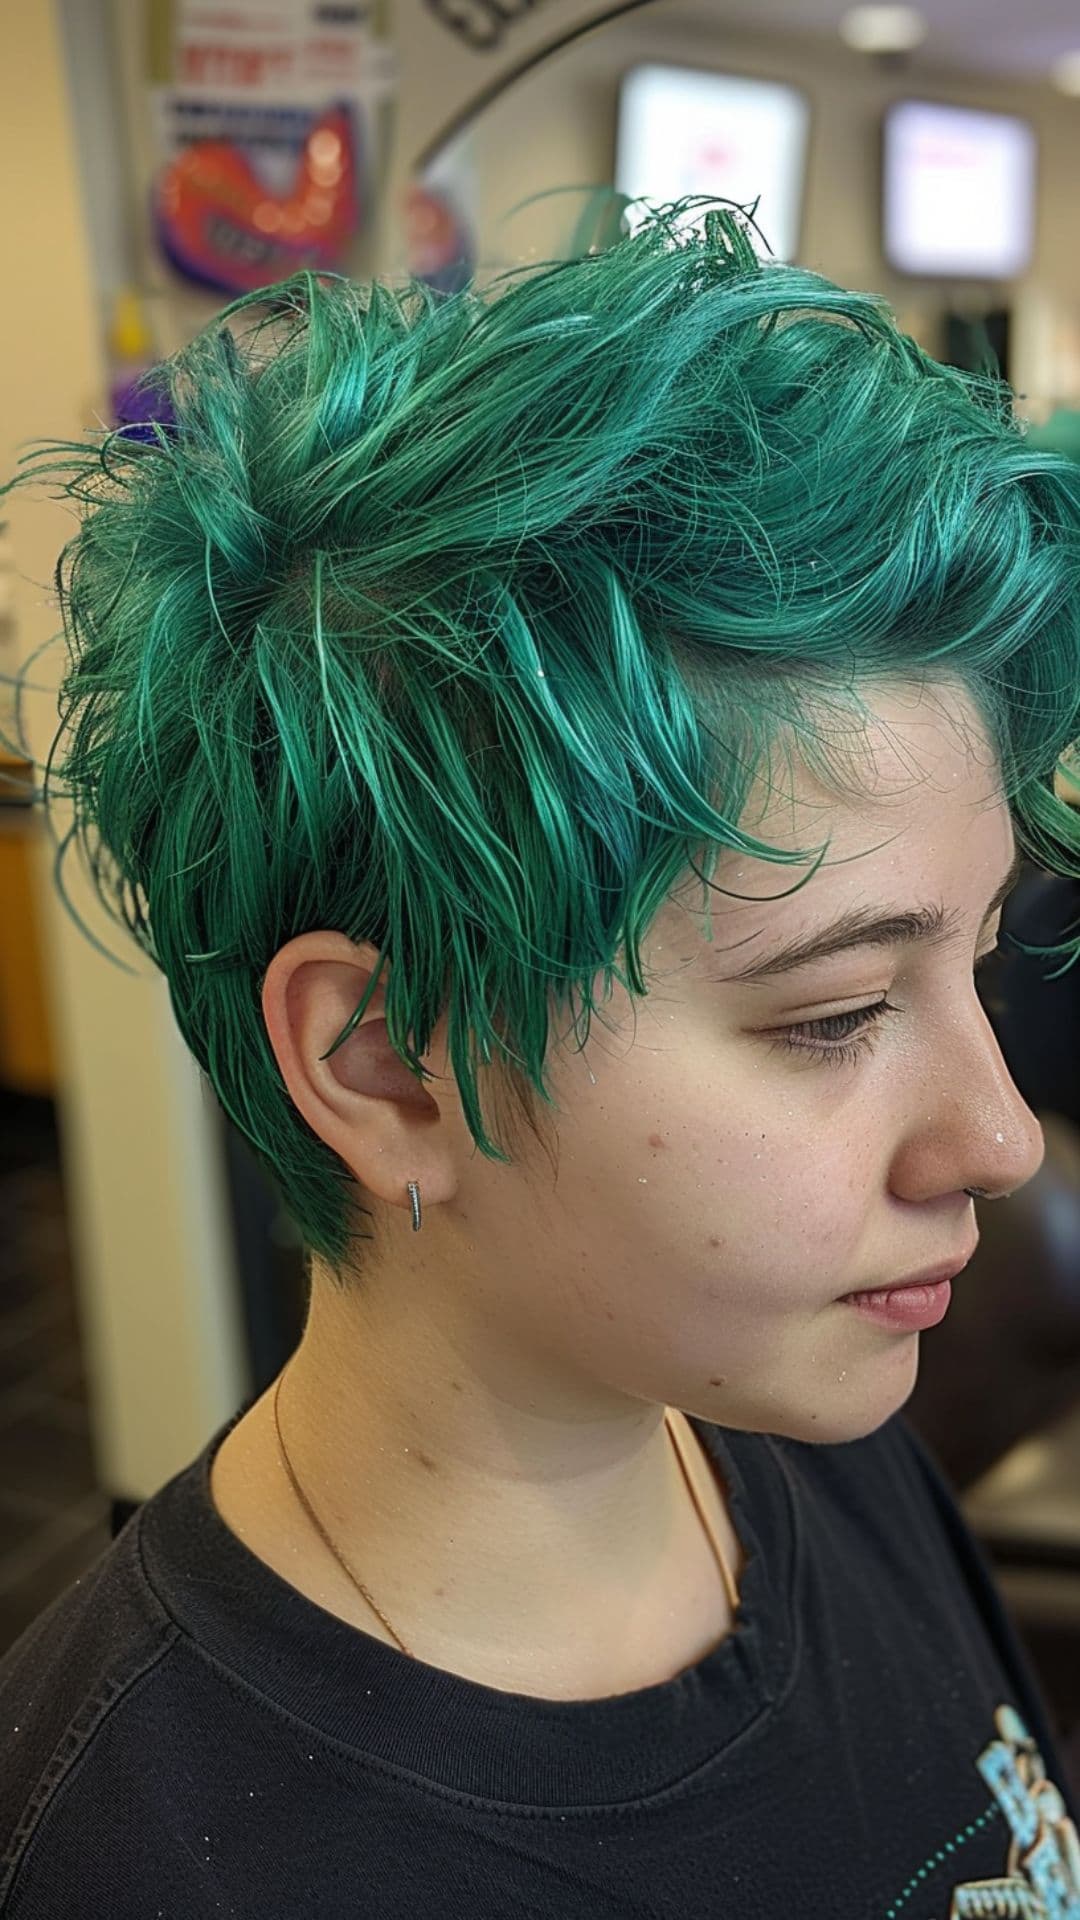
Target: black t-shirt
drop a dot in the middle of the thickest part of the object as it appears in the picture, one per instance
(185, 1735)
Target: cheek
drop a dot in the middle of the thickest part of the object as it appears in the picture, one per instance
(704, 1161)
(750, 1213)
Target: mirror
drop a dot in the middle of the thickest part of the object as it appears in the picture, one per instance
(955, 207)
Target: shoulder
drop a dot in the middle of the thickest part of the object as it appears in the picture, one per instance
(63, 1684)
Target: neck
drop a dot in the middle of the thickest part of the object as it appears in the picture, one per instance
(546, 1541)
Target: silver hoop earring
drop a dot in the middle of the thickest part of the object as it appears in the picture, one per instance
(414, 1196)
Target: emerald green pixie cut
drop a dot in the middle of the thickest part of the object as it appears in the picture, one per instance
(464, 624)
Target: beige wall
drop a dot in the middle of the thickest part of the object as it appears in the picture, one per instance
(557, 126)
(142, 1174)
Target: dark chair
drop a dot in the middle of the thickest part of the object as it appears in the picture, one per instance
(1005, 1361)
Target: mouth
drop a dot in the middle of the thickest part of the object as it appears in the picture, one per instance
(929, 1277)
(909, 1305)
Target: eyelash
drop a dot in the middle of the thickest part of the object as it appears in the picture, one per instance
(860, 1036)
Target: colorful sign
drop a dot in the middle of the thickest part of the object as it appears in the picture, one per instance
(219, 223)
(266, 132)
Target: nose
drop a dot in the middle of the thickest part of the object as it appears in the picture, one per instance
(1004, 1145)
(977, 1133)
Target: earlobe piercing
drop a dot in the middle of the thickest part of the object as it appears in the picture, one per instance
(414, 1196)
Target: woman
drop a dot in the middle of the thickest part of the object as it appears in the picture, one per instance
(567, 750)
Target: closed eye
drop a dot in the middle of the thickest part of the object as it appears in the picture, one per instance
(840, 1037)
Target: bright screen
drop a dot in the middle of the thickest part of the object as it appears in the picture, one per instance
(959, 190)
(684, 130)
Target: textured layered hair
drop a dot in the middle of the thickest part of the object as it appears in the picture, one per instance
(464, 624)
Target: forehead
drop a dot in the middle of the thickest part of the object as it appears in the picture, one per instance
(910, 799)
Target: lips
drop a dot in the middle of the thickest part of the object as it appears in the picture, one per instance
(928, 1278)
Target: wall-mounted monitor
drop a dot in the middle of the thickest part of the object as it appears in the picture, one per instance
(686, 130)
(959, 191)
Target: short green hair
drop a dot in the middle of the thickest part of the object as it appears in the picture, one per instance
(463, 624)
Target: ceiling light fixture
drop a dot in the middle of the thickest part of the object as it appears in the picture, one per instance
(1065, 73)
(873, 29)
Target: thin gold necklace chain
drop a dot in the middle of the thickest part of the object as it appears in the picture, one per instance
(314, 1518)
(725, 1570)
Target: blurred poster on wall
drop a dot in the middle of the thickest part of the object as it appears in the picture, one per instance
(266, 133)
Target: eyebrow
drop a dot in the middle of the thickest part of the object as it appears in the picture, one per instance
(866, 927)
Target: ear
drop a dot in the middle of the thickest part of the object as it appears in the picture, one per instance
(364, 1101)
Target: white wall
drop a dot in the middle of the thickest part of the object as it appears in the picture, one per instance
(557, 126)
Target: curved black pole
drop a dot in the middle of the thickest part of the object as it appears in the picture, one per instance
(483, 99)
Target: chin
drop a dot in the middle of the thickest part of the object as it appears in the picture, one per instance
(821, 1429)
(870, 1404)
(830, 1412)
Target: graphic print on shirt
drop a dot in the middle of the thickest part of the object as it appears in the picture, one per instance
(1042, 1872)
(1041, 1876)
